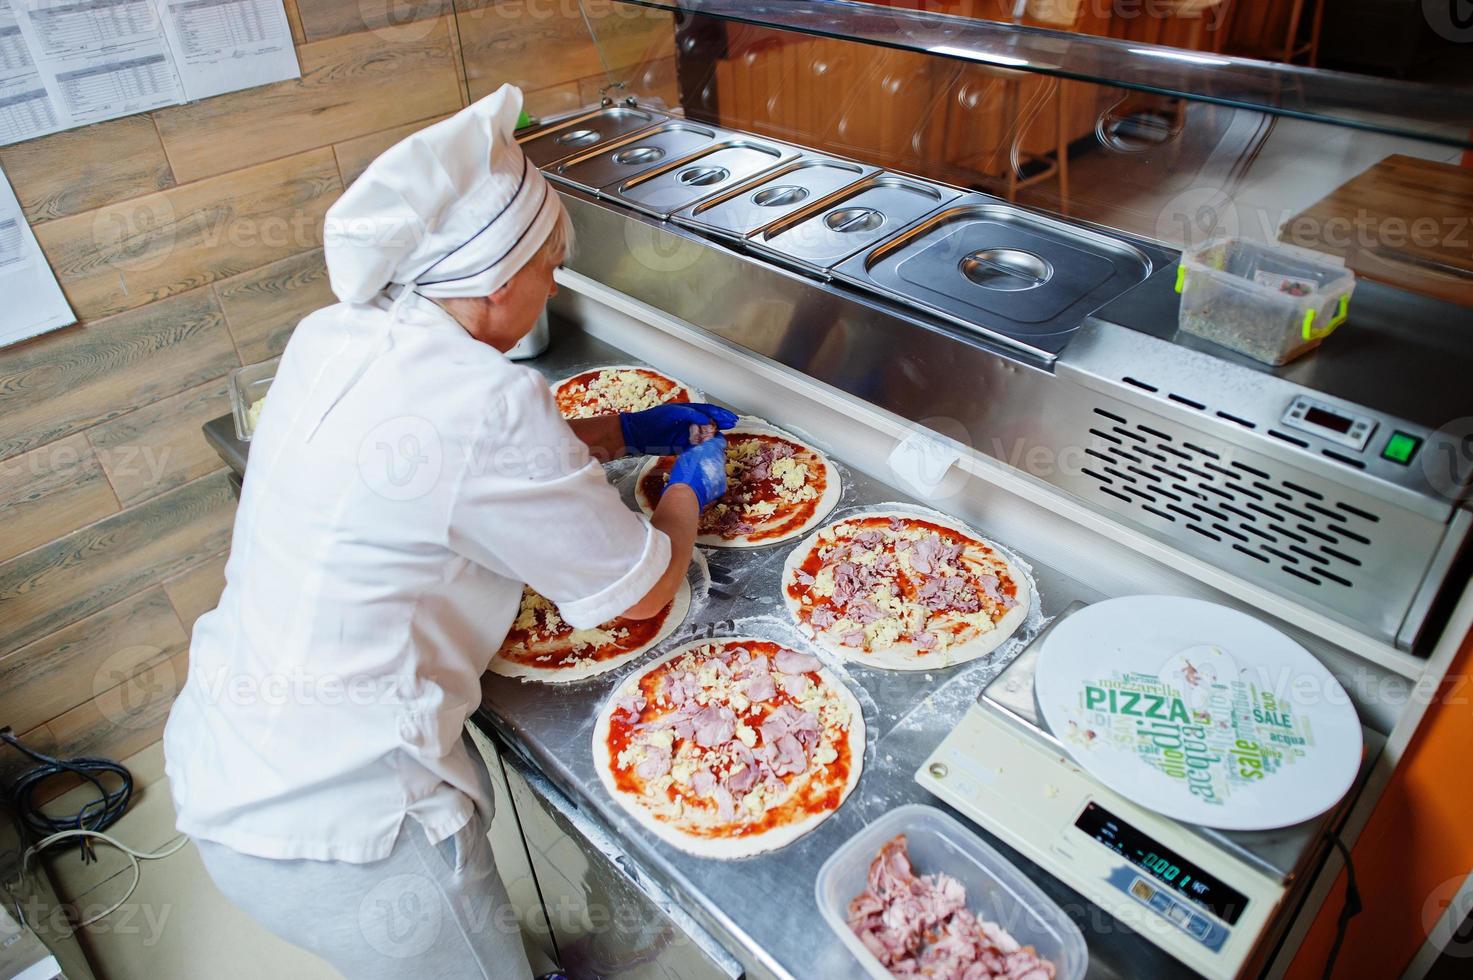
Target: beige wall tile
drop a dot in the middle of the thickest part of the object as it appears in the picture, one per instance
(80, 169)
(160, 446)
(59, 583)
(76, 663)
(51, 491)
(350, 86)
(128, 255)
(62, 382)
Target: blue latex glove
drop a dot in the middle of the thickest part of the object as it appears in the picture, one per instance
(703, 469)
(665, 430)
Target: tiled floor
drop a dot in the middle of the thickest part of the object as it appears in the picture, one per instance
(177, 926)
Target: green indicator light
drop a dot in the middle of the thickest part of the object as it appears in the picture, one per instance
(1400, 448)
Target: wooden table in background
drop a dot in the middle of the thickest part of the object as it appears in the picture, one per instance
(1405, 221)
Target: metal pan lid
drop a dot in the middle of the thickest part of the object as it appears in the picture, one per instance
(634, 154)
(725, 163)
(822, 235)
(746, 208)
(584, 131)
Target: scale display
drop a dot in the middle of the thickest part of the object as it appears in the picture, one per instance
(1163, 865)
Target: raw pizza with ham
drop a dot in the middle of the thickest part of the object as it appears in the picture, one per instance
(778, 488)
(624, 388)
(730, 746)
(904, 591)
(542, 646)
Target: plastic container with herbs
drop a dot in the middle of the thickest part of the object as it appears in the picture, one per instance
(1271, 302)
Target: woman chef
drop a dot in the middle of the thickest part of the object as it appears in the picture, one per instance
(405, 480)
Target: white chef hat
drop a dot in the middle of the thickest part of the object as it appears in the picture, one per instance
(453, 210)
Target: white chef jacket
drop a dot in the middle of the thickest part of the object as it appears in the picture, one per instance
(405, 480)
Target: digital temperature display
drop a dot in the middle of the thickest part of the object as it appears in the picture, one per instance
(1328, 420)
(1166, 867)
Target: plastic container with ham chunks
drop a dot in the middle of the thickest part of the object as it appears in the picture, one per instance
(996, 890)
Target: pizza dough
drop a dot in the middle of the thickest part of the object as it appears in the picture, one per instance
(730, 746)
(945, 597)
(542, 647)
(788, 486)
(620, 388)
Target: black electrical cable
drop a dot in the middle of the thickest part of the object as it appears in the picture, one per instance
(100, 813)
(1348, 911)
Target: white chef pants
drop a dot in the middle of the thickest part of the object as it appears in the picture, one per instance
(427, 911)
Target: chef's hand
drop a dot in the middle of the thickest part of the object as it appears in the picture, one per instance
(703, 469)
(666, 430)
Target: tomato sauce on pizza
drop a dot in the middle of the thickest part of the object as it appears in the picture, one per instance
(732, 739)
(877, 581)
(775, 487)
(605, 391)
(541, 638)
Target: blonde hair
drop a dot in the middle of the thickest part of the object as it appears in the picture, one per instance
(559, 244)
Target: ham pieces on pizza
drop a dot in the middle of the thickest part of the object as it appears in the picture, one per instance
(730, 746)
(904, 591)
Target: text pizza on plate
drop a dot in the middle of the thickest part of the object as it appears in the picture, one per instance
(904, 591)
(731, 746)
(606, 390)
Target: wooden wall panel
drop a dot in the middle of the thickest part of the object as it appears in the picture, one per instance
(81, 169)
(350, 86)
(160, 446)
(75, 576)
(197, 591)
(62, 382)
(333, 18)
(124, 720)
(294, 21)
(356, 154)
(69, 667)
(511, 41)
(262, 307)
(13, 761)
(127, 255)
(544, 103)
(51, 491)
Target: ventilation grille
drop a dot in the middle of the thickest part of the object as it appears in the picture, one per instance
(1245, 509)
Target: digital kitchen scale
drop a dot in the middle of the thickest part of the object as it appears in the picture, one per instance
(1212, 899)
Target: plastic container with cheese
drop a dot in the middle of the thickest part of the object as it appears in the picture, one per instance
(996, 891)
(248, 387)
(1272, 302)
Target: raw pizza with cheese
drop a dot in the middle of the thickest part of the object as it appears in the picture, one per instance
(606, 390)
(778, 488)
(904, 591)
(730, 746)
(543, 646)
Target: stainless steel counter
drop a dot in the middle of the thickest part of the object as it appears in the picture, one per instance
(762, 909)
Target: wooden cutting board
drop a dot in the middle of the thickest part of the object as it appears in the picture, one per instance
(1405, 221)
